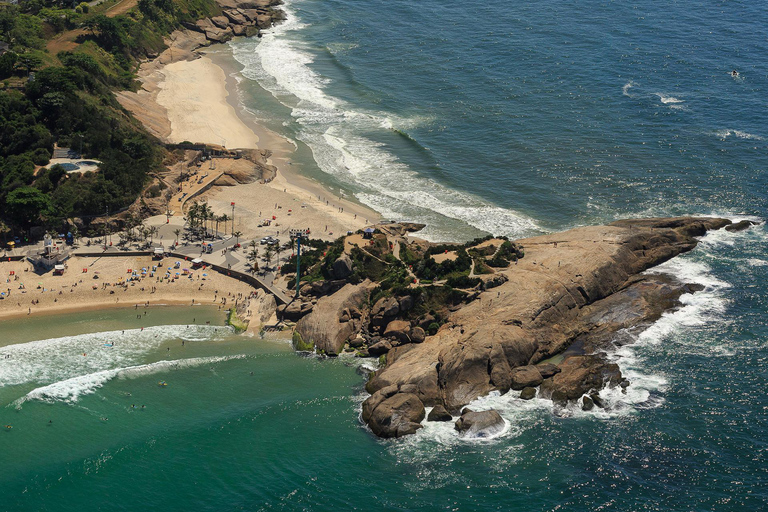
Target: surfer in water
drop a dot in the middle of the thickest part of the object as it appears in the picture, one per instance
(734, 73)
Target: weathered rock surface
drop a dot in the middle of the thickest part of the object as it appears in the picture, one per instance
(525, 377)
(528, 393)
(391, 413)
(342, 267)
(581, 285)
(398, 329)
(480, 424)
(438, 413)
(322, 326)
(740, 226)
(581, 375)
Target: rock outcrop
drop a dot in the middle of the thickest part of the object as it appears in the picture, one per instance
(323, 327)
(577, 287)
(480, 424)
(393, 412)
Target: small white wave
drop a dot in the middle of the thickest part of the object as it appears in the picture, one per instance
(724, 134)
(72, 389)
(626, 88)
(668, 100)
(57, 359)
(756, 262)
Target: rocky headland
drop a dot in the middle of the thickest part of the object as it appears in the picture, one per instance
(564, 294)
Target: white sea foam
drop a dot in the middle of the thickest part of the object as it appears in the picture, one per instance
(626, 88)
(724, 134)
(56, 359)
(333, 129)
(70, 390)
(756, 262)
(668, 100)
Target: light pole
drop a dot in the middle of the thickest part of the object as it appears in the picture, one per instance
(233, 219)
(298, 234)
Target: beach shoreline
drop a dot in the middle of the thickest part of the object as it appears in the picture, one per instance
(120, 282)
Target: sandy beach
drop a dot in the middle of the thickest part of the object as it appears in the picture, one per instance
(95, 283)
(196, 104)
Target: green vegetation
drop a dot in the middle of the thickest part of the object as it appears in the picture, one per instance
(67, 98)
(300, 345)
(235, 321)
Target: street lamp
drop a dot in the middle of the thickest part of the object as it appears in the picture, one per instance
(298, 234)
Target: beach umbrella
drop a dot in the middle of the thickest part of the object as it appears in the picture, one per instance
(205, 275)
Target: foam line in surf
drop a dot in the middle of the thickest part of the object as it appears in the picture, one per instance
(70, 390)
(56, 359)
(334, 131)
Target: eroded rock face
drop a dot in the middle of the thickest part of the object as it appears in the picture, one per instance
(391, 413)
(480, 424)
(398, 329)
(526, 376)
(438, 413)
(323, 328)
(579, 285)
(342, 267)
(580, 375)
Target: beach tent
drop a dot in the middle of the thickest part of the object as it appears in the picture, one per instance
(368, 232)
(196, 262)
(58, 270)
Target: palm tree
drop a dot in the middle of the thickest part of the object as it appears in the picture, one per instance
(177, 232)
(253, 257)
(270, 251)
(152, 233)
(217, 218)
(224, 219)
(237, 235)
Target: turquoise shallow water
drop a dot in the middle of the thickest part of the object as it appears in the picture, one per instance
(499, 117)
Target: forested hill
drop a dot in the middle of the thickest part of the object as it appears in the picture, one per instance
(59, 64)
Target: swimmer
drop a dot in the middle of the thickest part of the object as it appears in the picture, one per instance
(734, 73)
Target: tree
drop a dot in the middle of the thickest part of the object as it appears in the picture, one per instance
(253, 257)
(26, 204)
(177, 232)
(29, 61)
(269, 252)
(7, 64)
(237, 235)
(224, 219)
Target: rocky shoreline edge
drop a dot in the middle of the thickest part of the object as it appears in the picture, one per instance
(540, 326)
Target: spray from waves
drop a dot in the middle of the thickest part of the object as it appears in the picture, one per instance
(671, 101)
(626, 88)
(724, 134)
(70, 390)
(281, 63)
(57, 359)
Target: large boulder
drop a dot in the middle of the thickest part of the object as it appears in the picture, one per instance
(379, 348)
(480, 424)
(580, 375)
(322, 326)
(386, 306)
(438, 413)
(740, 226)
(220, 21)
(398, 329)
(418, 335)
(393, 414)
(525, 376)
(342, 267)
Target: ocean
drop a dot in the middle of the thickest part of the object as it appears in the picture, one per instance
(504, 118)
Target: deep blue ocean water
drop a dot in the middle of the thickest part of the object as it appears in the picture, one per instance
(496, 117)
